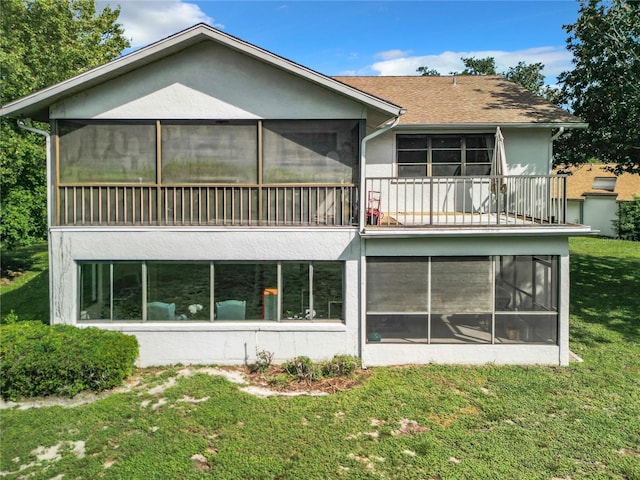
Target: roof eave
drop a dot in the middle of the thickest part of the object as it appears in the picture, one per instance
(37, 103)
(482, 125)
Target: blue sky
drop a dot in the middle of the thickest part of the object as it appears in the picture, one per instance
(373, 37)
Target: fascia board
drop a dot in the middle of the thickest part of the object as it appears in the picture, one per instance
(43, 98)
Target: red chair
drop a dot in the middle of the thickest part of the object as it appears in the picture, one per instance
(374, 215)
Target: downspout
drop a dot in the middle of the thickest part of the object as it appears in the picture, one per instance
(363, 167)
(553, 139)
(47, 137)
(361, 222)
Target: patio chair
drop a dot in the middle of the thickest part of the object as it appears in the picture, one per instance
(373, 215)
(161, 311)
(231, 310)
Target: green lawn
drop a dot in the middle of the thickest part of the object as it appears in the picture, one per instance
(431, 422)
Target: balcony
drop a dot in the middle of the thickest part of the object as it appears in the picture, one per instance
(481, 201)
(207, 205)
(430, 202)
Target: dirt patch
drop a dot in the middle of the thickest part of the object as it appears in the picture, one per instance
(274, 381)
(259, 384)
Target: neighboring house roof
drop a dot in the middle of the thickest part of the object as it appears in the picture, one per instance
(464, 100)
(36, 105)
(581, 180)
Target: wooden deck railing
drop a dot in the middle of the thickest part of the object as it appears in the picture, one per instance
(189, 205)
(468, 201)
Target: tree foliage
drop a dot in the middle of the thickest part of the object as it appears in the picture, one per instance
(604, 86)
(478, 66)
(523, 74)
(627, 225)
(42, 42)
(427, 72)
(527, 76)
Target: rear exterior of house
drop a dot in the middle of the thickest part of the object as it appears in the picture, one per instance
(216, 200)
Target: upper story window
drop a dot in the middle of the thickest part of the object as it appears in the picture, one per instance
(123, 152)
(444, 155)
(173, 152)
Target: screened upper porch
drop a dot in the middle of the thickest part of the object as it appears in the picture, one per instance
(280, 172)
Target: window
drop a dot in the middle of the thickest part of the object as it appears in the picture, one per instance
(214, 152)
(102, 152)
(209, 153)
(502, 299)
(318, 151)
(205, 291)
(444, 155)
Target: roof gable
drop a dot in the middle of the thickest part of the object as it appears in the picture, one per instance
(36, 105)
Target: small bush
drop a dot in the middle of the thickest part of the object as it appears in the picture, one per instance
(627, 225)
(263, 362)
(302, 368)
(341, 366)
(39, 360)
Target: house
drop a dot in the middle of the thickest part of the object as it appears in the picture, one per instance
(594, 195)
(216, 200)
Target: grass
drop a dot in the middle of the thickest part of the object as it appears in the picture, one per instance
(24, 287)
(440, 422)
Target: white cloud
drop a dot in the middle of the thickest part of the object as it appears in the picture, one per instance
(147, 21)
(392, 54)
(555, 59)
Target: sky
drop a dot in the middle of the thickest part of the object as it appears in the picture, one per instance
(372, 37)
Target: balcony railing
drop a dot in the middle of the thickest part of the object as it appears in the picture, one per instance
(484, 201)
(190, 205)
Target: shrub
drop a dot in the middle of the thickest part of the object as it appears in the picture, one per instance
(40, 360)
(341, 366)
(302, 368)
(263, 362)
(627, 225)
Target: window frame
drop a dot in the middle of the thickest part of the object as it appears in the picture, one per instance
(143, 282)
(497, 319)
(462, 166)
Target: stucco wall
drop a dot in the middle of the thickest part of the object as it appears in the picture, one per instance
(599, 212)
(208, 81)
(227, 343)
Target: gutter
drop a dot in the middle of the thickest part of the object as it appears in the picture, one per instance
(47, 136)
(363, 167)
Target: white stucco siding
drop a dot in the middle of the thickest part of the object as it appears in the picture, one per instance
(599, 212)
(164, 343)
(528, 151)
(208, 81)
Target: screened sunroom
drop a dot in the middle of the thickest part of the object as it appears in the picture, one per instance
(245, 173)
(497, 299)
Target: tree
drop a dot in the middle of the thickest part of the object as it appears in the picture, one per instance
(42, 42)
(478, 66)
(427, 72)
(604, 86)
(527, 76)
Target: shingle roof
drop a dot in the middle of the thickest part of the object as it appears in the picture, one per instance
(462, 100)
(580, 182)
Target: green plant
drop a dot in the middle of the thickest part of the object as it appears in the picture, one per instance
(627, 225)
(262, 363)
(40, 360)
(341, 366)
(302, 368)
(11, 317)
